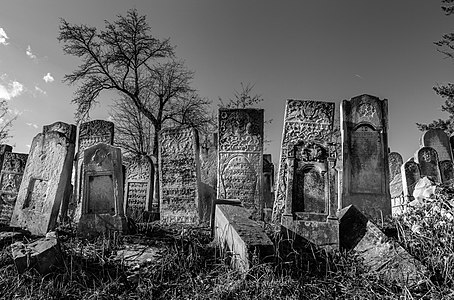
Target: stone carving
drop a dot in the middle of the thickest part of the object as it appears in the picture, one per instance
(395, 161)
(304, 120)
(410, 176)
(438, 140)
(365, 173)
(10, 179)
(241, 156)
(427, 158)
(45, 181)
(179, 175)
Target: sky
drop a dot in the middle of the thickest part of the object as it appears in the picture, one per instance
(326, 50)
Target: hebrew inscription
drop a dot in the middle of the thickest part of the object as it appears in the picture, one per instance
(139, 180)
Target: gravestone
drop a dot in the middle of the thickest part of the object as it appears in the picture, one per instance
(208, 171)
(304, 120)
(240, 164)
(102, 196)
(438, 140)
(446, 170)
(365, 183)
(427, 159)
(395, 161)
(139, 189)
(90, 133)
(4, 149)
(179, 175)
(410, 176)
(45, 180)
(10, 179)
(268, 181)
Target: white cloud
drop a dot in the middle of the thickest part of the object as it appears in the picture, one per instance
(28, 146)
(10, 90)
(32, 125)
(30, 53)
(3, 37)
(37, 89)
(48, 78)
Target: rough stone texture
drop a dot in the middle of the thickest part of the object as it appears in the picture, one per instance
(379, 254)
(304, 120)
(427, 159)
(43, 255)
(208, 172)
(410, 175)
(90, 134)
(179, 175)
(10, 180)
(268, 181)
(365, 183)
(139, 189)
(244, 237)
(3, 150)
(438, 140)
(395, 161)
(138, 255)
(397, 195)
(102, 196)
(240, 164)
(44, 182)
(446, 170)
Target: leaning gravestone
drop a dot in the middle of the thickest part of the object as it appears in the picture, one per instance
(240, 164)
(10, 179)
(138, 189)
(427, 159)
(365, 184)
(102, 196)
(395, 161)
(45, 180)
(410, 176)
(438, 140)
(304, 120)
(179, 175)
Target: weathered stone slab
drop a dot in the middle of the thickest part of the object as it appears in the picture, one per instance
(10, 180)
(44, 181)
(410, 175)
(139, 189)
(379, 254)
(179, 175)
(446, 170)
(102, 197)
(304, 120)
(240, 171)
(438, 140)
(208, 172)
(244, 237)
(427, 159)
(395, 161)
(365, 183)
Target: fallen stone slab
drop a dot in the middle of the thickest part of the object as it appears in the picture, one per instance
(380, 254)
(137, 255)
(244, 237)
(43, 255)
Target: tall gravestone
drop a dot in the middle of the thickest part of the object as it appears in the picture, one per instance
(179, 175)
(365, 184)
(410, 176)
(10, 179)
(45, 180)
(395, 161)
(240, 157)
(90, 133)
(139, 189)
(102, 194)
(438, 140)
(427, 159)
(208, 171)
(304, 120)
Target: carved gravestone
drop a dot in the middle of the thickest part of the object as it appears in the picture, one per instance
(395, 161)
(268, 181)
(179, 175)
(4, 149)
(90, 133)
(438, 140)
(240, 165)
(446, 170)
(410, 176)
(45, 180)
(10, 179)
(304, 121)
(139, 189)
(427, 159)
(208, 171)
(102, 196)
(365, 184)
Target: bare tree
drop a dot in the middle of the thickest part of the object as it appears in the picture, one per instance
(6, 121)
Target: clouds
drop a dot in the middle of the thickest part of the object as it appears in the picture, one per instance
(48, 78)
(32, 125)
(30, 53)
(10, 90)
(3, 37)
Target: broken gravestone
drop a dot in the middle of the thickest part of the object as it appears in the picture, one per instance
(10, 180)
(45, 181)
(395, 161)
(102, 196)
(179, 175)
(427, 159)
(365, 174)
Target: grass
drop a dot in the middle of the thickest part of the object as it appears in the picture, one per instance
(192, 267)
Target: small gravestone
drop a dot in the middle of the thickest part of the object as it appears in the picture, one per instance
(410, 176)
(10, 179)
(241, 156)
(365, 183)
(102, 197)
(179, 175)
(268, 181)
(438, 140)
(45, 181)
(139, 189)
(208, 171)
(427, 159)
(446, 170)
(395, 161)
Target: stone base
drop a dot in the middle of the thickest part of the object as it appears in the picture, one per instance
(244, 237)
(322, 234)
(96, 224)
